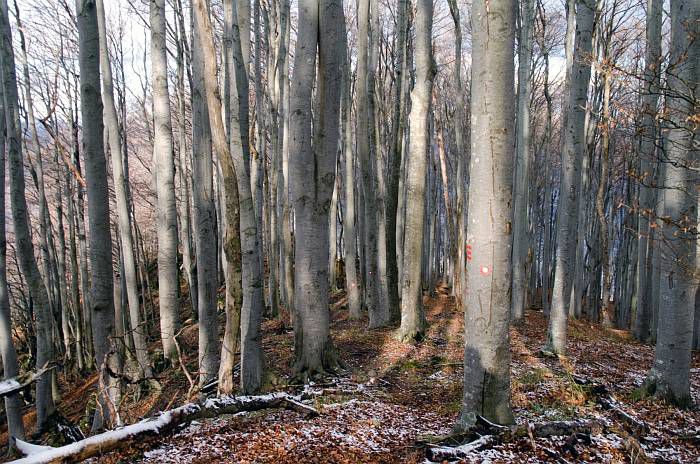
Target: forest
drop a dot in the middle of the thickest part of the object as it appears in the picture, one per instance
(350, 231)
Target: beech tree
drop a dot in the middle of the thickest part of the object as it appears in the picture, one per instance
(165, 183)
(312, 174)
(652, 78)
(102, 284)
(20, 220)
(122, 202)
(570, 187)
(8, 353)
(522, 160)
(376, 296)
(412, 312)
(668, 378)
(489, 231)
(347, 177)
(204, 218)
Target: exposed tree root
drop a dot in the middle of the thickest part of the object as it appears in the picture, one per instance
(485, 434)
(307, 369)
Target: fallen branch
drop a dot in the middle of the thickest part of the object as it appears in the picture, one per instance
(602, 396)
(449, 453)
(636, 427)
(161, 424)
(15, 384)
(486, 434)
(633, 447)
(183, 366)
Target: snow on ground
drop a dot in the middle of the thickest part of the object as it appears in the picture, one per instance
(359, 428)
(392, 397)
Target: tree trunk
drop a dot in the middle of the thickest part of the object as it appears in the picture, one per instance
(235, 177)
(572, 154)
(186, 234)
(13, 403)
(652, 77)
(37, 171)
(548, 201)
(252, 365)
(204, 219)
(412, 313)
(459, 253)
(488, 304)
(165, 184)
(522, 163)
(606, 310)
(352, 281)
(121, 200)
(102, 285)
(394, 154)
(20, 219)
(232, 244)
(377, 307)
(312, 174)
(669, 377)
(74, 273)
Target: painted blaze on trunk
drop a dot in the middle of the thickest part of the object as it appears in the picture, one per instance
(487, 305)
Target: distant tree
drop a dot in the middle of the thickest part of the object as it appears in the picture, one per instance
(649, 134)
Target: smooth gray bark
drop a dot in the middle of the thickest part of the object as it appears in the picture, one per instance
(121, 200)
(252, 364)
(394, 154)
(13, 405)
(235, 177)
(204, 220)
(333, 234)
(647, 148)
(669, 376)
(572, 155)
(377, 306)
(548, 201)
(522, 162)
(100, 238)
(312, 174)
(257, 160)
(185, 178)
(352, 281)
(489, 232)
(231, 219)
(459, 251)
(166, 224)
(20, 219)
(275, 22)
(606, 312)
(74, 273)
(36, 166)
(413, 322)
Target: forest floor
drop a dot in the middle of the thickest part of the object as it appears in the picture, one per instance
(392, 397)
